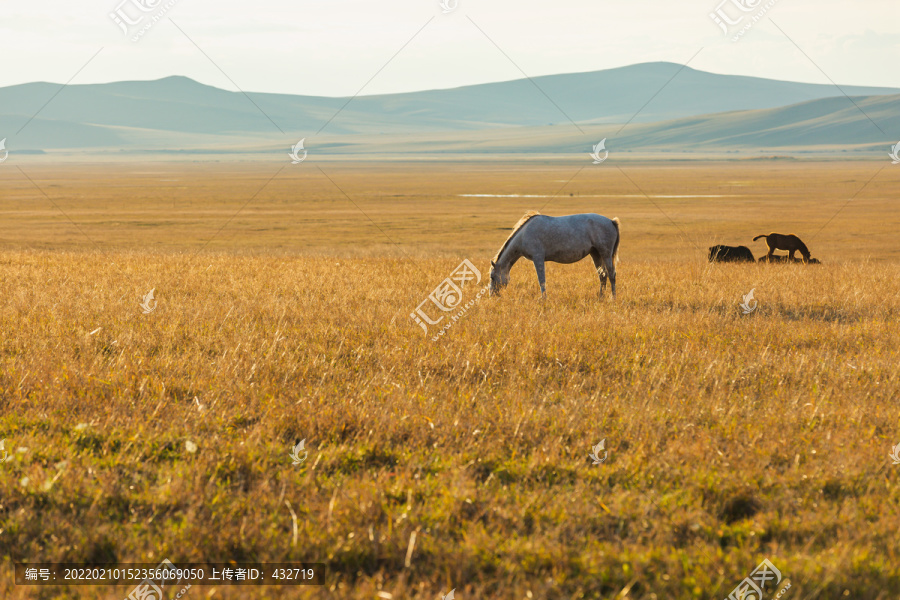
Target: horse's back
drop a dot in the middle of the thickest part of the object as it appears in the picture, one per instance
(576, 222)
(570, 237)
(597, 227)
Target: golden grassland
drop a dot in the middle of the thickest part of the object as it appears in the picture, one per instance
(670, 210)
(461, 463)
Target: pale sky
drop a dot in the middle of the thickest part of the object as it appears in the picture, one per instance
(333, 47)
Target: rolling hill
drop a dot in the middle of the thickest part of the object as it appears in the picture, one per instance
(694, 110)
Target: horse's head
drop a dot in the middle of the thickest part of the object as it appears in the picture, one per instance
(499, 278)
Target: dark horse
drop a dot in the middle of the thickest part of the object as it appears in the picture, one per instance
(785, 241)
(722, 253)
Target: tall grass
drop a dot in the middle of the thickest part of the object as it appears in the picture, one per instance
(731, 438)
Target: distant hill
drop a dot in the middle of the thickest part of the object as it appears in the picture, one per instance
(695, 109)
(827, 126)
(826, 123)
(610, 96)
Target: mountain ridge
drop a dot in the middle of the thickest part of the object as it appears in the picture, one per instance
(179, 113)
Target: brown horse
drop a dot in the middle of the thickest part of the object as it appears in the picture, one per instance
(788, 242)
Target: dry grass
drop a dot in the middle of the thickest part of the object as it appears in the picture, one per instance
(730, 438)
(410, 209)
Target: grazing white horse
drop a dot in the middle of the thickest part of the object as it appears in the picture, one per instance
(566, 240)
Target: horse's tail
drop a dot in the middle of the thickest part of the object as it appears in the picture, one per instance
(615, 222)
(760, 236)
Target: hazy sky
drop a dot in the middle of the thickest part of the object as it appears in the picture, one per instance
(333, 47)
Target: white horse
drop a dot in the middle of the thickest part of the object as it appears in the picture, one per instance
(566, 240)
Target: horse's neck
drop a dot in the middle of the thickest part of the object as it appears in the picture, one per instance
(509, 256)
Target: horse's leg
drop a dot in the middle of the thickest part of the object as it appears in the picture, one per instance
(611, 273)
(601, 272)
(792, 254)
(539, 267)
(771, 249)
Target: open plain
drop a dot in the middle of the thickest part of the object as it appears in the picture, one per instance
(282, 313)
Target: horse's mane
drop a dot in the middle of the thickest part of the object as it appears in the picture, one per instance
(525, 218)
